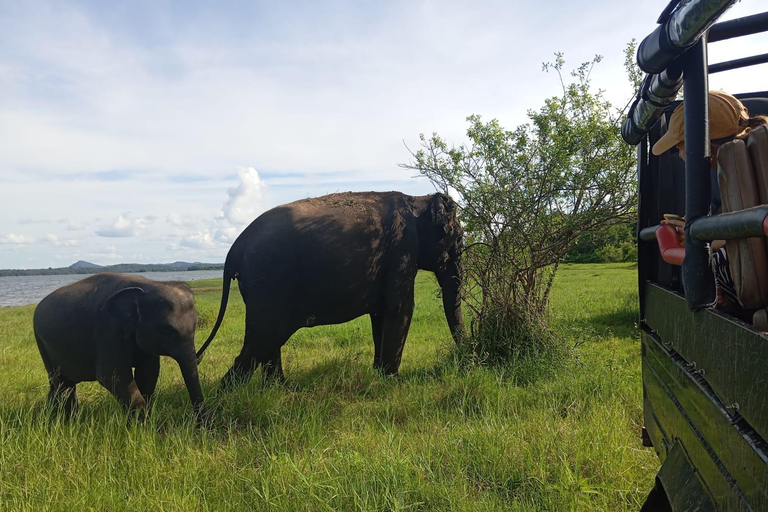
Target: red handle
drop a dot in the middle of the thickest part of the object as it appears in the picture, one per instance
(669, 244)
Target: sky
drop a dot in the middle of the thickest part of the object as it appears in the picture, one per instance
(156, 131)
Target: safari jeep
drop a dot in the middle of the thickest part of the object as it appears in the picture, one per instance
(705, 371)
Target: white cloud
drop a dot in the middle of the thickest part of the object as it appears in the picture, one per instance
(14, 239)
(245, 200)
(104, 253)
(124, 227)
(75, 226)
(226, 234)
(99, 117)
(198, 241)
(184, 225)
(176, 219)
(55, 240)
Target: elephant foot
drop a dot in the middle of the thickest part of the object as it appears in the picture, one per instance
(204, 418)
(234, 379)
(386, 370)
(64, 412)
(273, 377)
(137, 415)
(62, 399)
(268, 382)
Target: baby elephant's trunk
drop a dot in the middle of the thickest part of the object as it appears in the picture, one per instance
(188, 365)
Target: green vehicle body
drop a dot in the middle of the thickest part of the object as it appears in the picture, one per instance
(705, 373)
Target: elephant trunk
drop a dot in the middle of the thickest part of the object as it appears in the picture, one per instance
(188, 366)
(449, 279)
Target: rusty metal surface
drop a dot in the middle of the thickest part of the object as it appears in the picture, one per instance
(727, 353)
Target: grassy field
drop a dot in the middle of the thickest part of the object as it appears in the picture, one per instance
(336, 435)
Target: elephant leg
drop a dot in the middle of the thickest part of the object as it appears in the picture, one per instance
(264, 336)
(377, 327)
(62, 394)
(242, 369)
(122, 386)
(272, 367)
(145, 375)
(394, 333)
(393, 325)
(249, 359)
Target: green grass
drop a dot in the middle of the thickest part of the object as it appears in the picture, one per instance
(338, 436)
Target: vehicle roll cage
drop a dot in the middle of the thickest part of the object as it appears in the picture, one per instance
(675, 55)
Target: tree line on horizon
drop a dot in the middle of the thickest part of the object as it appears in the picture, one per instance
(126, 268)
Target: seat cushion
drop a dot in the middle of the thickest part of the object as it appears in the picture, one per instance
(757, 144)
(748, 257)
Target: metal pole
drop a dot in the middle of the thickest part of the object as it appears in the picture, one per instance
(645, 255)
(698, 278)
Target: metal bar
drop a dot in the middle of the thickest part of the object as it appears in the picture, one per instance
(745, 26)
(738, 63)
(686, 25)
(643, 253)
(656, 94)
(729, 226)
(698, 279)
(664, 16)
(676, 33)
(648, 234)
(748, 223)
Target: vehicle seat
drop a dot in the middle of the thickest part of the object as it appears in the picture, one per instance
(743, 178)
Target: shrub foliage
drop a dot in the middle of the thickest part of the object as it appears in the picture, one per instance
(526, 195)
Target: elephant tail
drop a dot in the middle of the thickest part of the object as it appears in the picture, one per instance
(229, 275)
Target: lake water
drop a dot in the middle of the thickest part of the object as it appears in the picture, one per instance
(23, 290)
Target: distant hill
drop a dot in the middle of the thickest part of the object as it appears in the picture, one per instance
(85, 267)
(83, 264)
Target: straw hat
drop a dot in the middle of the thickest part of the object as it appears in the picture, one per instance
(727, 117)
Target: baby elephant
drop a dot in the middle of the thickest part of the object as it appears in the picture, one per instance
(103, 326)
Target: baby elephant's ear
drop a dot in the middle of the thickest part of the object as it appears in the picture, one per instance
(124, 304)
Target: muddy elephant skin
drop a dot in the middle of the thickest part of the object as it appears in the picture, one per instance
(331, 259)
(102, 327)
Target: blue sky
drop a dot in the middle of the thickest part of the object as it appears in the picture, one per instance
(156, 131)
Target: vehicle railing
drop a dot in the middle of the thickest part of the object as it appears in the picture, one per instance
(675, 55)
(682, 28)
(747, 223)
(659, 89)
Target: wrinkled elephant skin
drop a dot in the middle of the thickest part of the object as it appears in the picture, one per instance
(331, 259)
(102, 327)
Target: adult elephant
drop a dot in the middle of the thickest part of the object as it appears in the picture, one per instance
(331, 259)
(102, 327)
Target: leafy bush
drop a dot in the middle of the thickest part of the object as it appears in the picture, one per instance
(526, 196)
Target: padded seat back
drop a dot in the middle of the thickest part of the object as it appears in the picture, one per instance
(743, 178)
(757, 144)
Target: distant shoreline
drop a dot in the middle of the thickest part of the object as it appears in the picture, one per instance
(31, 289)
(128, 268)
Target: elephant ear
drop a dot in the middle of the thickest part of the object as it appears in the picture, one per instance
(124, 304)
(443, 212)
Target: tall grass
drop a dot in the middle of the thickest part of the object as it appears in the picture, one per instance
(337, 435)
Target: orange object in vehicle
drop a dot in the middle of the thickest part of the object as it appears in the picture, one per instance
(669, 245)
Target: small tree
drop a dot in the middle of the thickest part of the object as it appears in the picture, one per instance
(525, 196)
